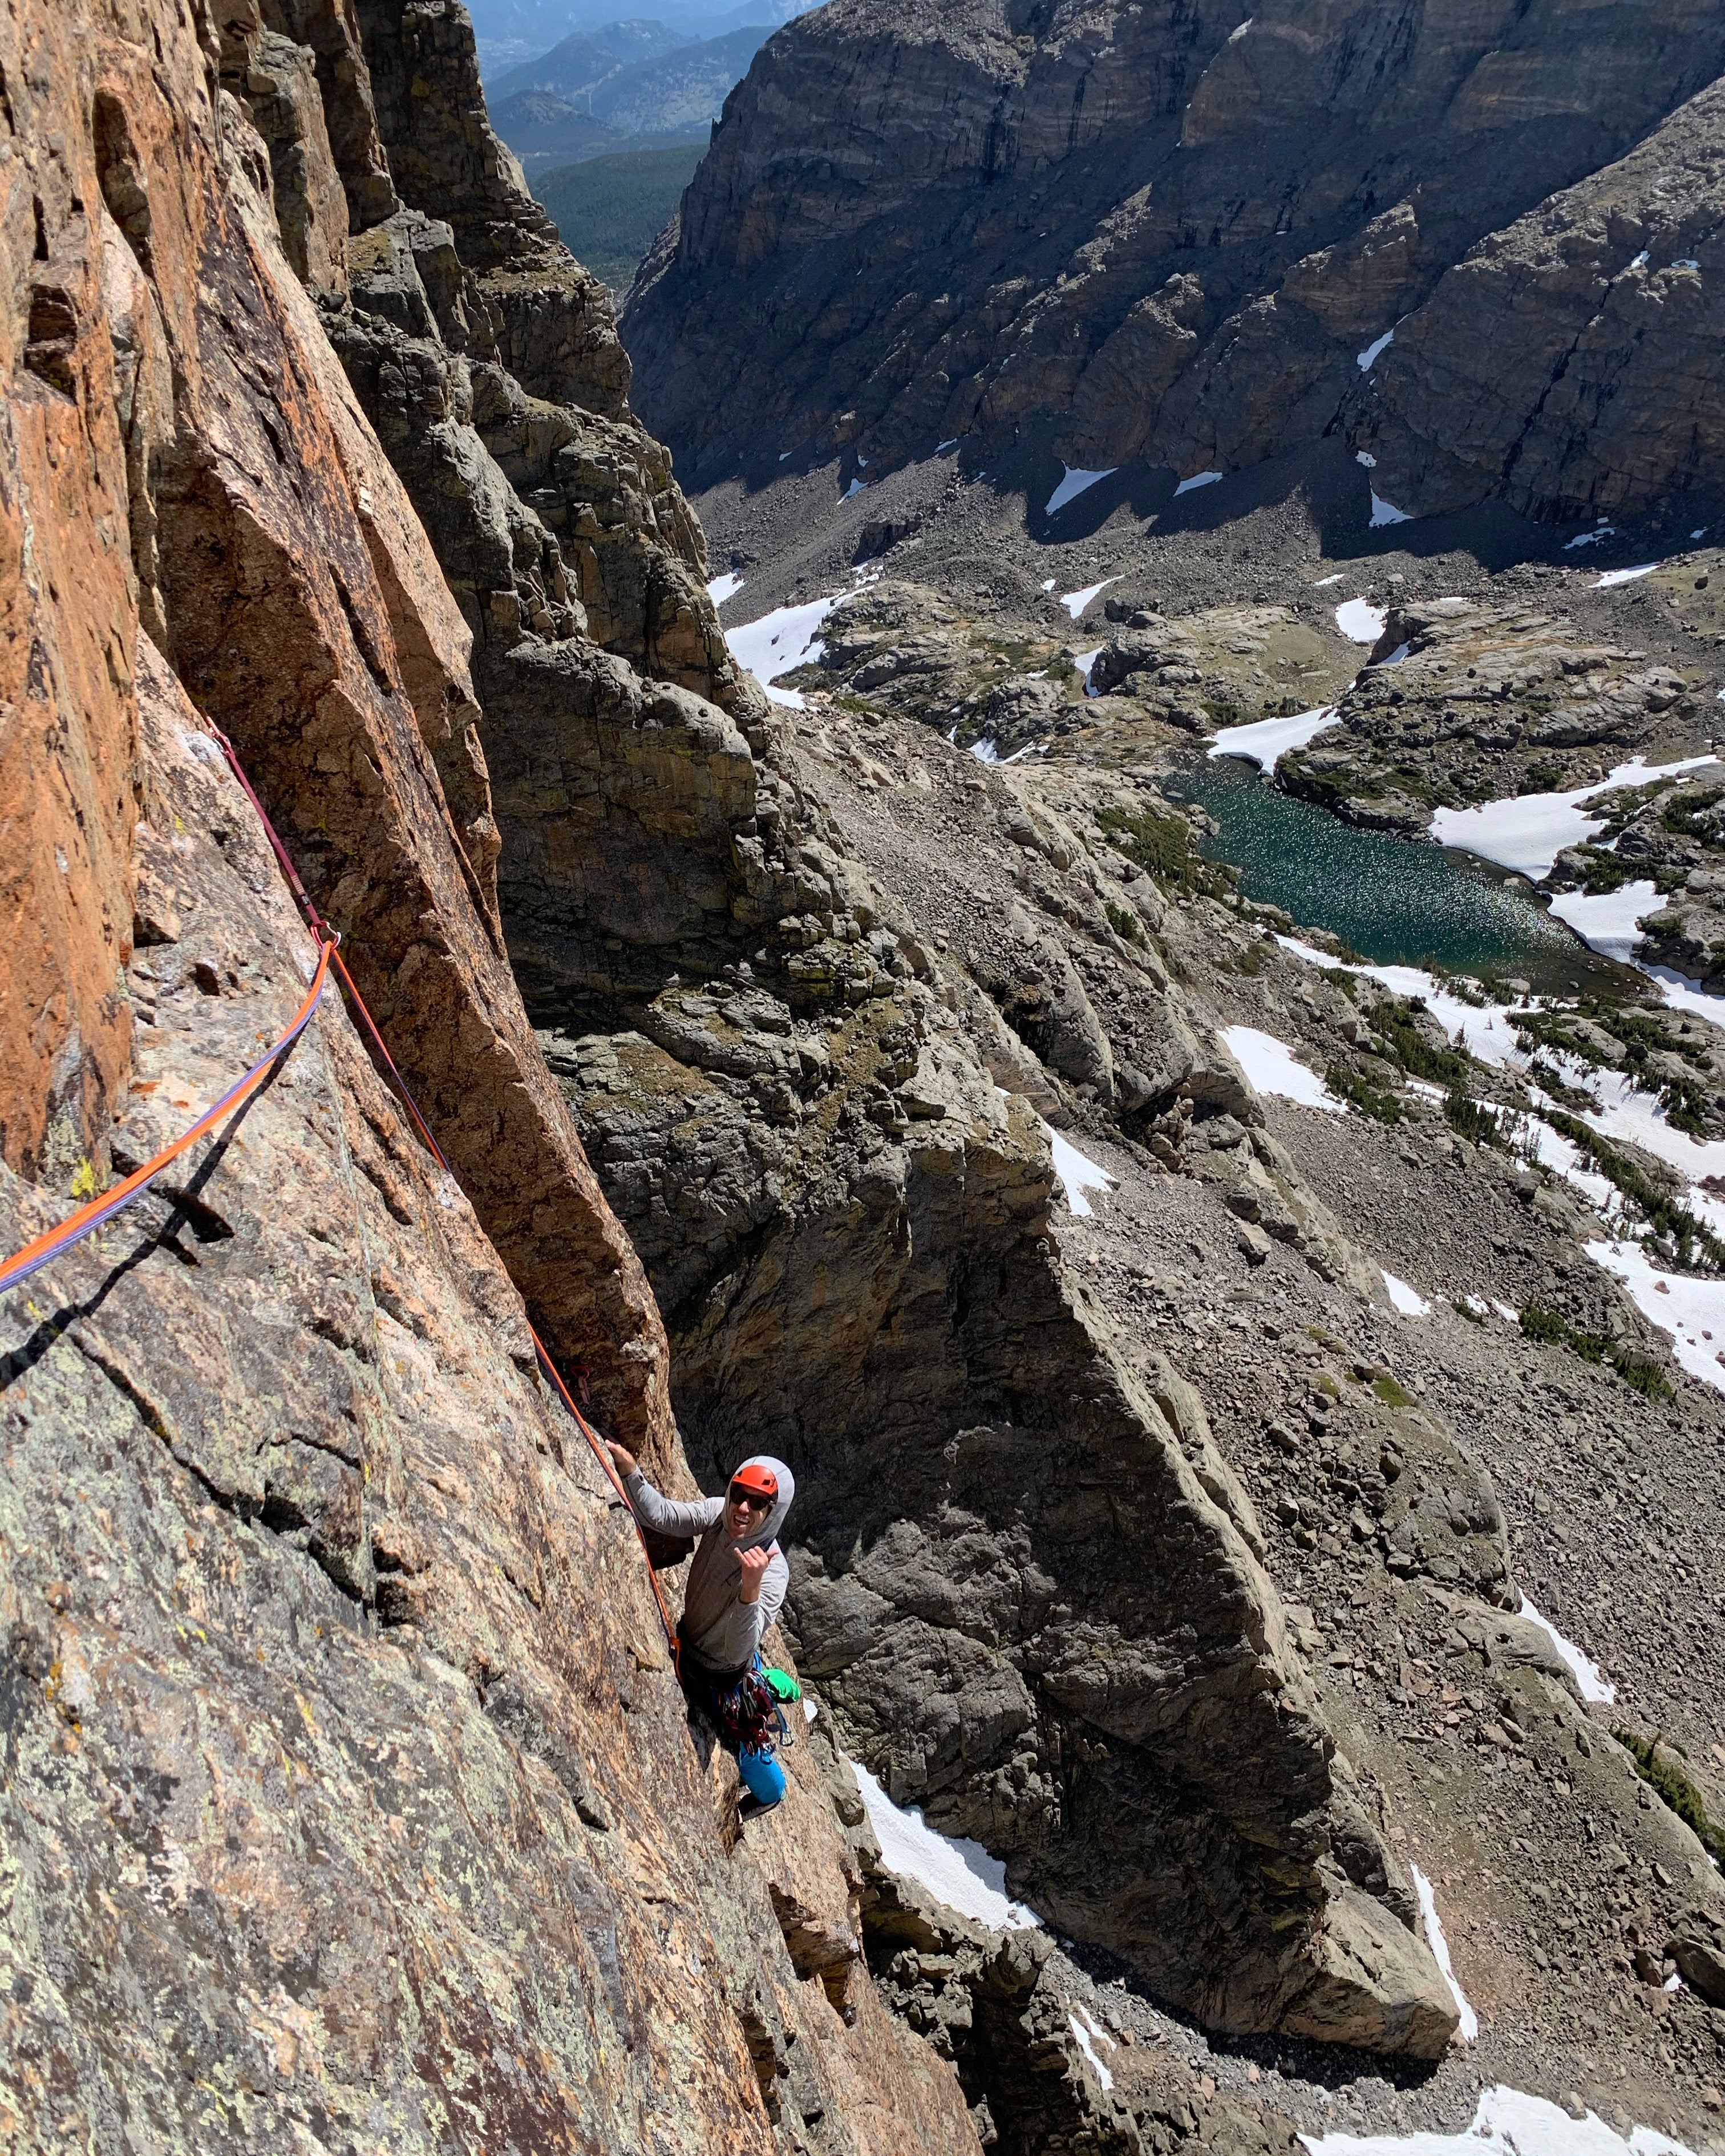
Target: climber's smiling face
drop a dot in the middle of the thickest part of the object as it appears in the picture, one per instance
(747, 1504)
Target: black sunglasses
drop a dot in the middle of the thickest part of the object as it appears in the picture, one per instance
(754, 1499)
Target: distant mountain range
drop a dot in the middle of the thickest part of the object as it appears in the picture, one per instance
(580, 101)
(511, 33)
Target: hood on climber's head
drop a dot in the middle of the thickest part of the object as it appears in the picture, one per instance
(761, 1476)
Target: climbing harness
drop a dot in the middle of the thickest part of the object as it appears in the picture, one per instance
(54, 1242)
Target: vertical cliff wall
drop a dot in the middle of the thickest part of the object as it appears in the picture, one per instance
(346, 1789)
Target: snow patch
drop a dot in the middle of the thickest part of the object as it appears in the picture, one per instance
(780, 642)
(1396, 656)
(1359, 621)
(1324, 582)
(1269, 1064)
(1411, 1304)
(1074, 483)
(941, 448)
(1364, 359)
(1075, 603)
(1613, 578)
(1197, 480)
(1084, 660)
(1470, 2028)
(1048, 583)
(856, 487)
(1077, 1173)
(1506, 2123)
(1386, 512)
(1365, 457)
(1594, 1685)
(1608, 920)
(1527, 833)
(1590, 538)
(724, 587)
(1267, 740)
(957, 1871)
(1239, 32)
(1683, 994)
(1086, 2031)
(1683, 1307)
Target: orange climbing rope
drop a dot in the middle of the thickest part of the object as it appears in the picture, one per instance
(55, 1241)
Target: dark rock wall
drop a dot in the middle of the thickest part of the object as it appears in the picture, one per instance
(1170, 231)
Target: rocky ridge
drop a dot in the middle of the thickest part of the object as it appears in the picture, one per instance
(1460, 702)
(1194, 240)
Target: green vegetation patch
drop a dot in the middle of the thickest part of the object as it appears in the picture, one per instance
(1391, 1394)
(1696, 815)
(1469, 1119)
(1403, 1043)
(1381, 1107)
(1668, 1780)
(1160, 842)
(1637, 1371)
(1125, 923)
(609, 211)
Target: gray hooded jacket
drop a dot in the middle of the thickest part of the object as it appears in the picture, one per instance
(721, 1632)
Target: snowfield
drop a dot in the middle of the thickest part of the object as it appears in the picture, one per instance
(1506, 2123)
(780, 642)
(1076, 1173)
(1075, 603)
(1265, 741)
(1527, 833)
(1470, 2025)
(1595, 1686)
(1271, 1067)
(1359, 620)
(1073, 484)
(957, 1872)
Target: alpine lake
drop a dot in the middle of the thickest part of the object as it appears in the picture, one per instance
(1397, 901)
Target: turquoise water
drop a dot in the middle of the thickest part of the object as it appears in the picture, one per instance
(1399, 902)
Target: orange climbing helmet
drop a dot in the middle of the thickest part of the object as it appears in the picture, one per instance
(752, 1475)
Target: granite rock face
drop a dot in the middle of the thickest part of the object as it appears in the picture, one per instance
(347, 1786)
(1178, 235)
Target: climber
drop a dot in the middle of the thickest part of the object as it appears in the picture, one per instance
(737, 1588)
